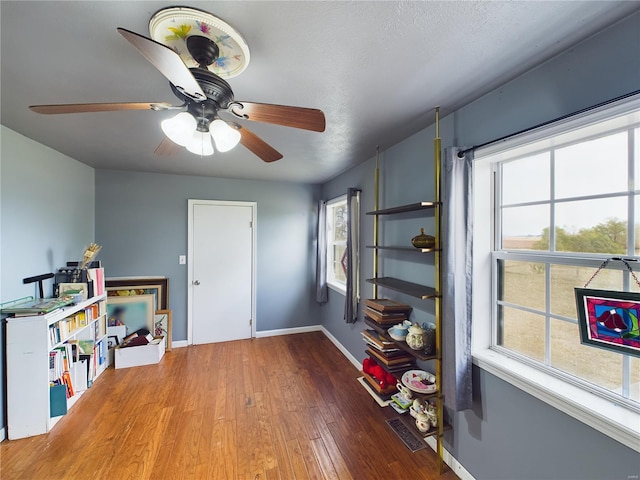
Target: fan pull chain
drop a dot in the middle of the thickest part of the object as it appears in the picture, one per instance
(606, 262)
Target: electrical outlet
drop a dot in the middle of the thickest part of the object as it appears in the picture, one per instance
(182, 259)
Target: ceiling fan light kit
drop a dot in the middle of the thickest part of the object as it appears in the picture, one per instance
(200, 144)
(224, 136)
(180, 128)
(194, 50)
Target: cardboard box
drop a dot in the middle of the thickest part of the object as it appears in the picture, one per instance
(140, 355)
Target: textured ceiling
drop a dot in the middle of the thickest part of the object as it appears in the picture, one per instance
(376, 69)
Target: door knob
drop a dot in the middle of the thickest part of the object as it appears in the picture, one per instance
(196, 282)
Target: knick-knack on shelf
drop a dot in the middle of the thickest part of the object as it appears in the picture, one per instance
(423, 240)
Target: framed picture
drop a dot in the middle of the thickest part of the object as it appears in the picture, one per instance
(131, 286)
(609, 319)
(112, 341)
(133, 312)
(66, 287)
(162, 326)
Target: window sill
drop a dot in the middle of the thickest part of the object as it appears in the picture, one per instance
(615, 421)
(337, 288)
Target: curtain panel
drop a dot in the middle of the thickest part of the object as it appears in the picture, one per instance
(353, 256)
(322, 295)
(457, 236)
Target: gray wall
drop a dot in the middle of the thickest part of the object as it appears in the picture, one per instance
(508, 434)
(46, 219)
(142, 226)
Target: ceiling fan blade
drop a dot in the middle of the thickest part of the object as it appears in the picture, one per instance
(258, 146)
(296, 117)
(96, 107)
(167, 147)
(167, 62)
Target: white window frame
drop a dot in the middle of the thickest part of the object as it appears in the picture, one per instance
(340, 287)
(615, 420)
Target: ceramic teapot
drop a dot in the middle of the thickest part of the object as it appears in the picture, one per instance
(416, 337)
(422, 422)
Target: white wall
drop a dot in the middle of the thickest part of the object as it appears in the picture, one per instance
(47, 217)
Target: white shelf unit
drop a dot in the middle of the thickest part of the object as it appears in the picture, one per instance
(28, 346)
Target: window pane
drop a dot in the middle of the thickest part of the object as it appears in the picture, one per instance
(564, 278)
(336, 267)
(595, 365)
(523, 228)
(522, 283)
(591, 168)
(594, 226)
(522, 332)
(336, 242)
(340, 222)
(526, 179)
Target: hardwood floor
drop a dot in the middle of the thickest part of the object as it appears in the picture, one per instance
(286, 407)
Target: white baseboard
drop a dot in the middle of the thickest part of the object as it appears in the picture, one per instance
(455, 466)
(340, 347)
(287, 331)
(3, 434)
(179, 344)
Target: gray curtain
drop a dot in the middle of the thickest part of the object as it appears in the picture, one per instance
(457, 235)
(322, 295)
(353, 256)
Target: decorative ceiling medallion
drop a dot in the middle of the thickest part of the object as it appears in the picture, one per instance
(172, 26)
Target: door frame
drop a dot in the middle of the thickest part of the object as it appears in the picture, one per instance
(191, 204)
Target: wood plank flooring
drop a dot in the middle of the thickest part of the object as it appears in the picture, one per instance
(286, 407)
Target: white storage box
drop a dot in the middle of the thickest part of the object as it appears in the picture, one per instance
(140, 355)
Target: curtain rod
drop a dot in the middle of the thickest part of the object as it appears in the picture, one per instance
(461, 153)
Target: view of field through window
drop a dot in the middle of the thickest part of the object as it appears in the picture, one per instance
(337, 238)
(525, 331)
(562, 211)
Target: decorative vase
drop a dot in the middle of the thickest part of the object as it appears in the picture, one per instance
(423, 240)
(416, 337)
(430, 339)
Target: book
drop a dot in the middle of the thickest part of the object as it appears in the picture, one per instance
(385, 318)
(35, 307)
(86, 346)
(55, 365)
(96, 275)
(385, 305)
(380, 341)
(66, 380)
(385, 350)
(406, 359)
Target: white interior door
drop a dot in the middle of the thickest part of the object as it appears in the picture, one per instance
(221, 270)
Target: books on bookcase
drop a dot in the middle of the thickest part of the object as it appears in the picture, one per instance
(386, 312)
(385, 305)
(70, 342)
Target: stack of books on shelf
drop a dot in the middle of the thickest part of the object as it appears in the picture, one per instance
(383, 351)
(386, 312)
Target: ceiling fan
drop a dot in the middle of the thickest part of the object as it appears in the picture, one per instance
(214, 45)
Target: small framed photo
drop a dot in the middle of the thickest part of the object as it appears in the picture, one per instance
(112, 341)
(162, 326)
(609, 319)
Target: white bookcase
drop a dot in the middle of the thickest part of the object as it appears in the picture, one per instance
(29, 341)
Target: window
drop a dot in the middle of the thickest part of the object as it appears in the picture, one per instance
(337, 243)
(552, 205)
